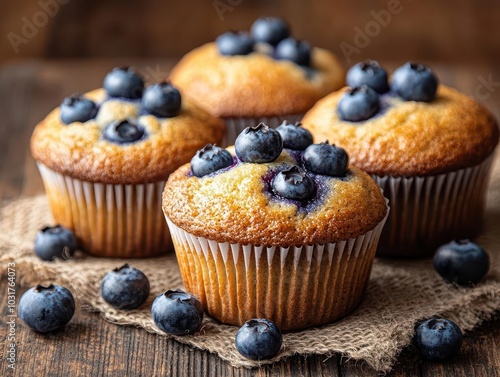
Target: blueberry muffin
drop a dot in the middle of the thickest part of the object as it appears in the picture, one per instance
(104, 158)
(263, 75)
(262, 230)
(428, 146)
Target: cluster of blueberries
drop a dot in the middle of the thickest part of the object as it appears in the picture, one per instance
(261, 144)
(367, 81)
(162, 100)
(48, 308)
(271, 31)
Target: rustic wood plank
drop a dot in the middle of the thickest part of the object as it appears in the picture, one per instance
(96, 28)
(408, 366)
(15, 102)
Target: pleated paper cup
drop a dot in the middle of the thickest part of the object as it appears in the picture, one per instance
(109, 220)
(234, 126)
(429, 211)
(296, 287)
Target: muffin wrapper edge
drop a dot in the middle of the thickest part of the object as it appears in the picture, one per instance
(296, 287)
(431, 210)
(109, 220)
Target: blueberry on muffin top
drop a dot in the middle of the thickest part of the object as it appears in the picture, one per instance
(292, 198)
(417, 127)
(368, 86)
(273, 35)
(124, 132)
(262, 73)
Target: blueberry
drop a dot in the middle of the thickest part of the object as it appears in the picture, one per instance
(46, 309)
(294, 50)
(123, 132)
(77, 108)
(55, 242)
(210, 159)
(124, 82)
(270, 30)
(293, 184)
(325, 159)
(461, 262)
(234, 43)
(162, 100)
(259, 339)
(177, 312)
(294, 136)
(358, 103)
(414, 82)
(368, 73)
(438, 338)
(125, 288)
(258, 144)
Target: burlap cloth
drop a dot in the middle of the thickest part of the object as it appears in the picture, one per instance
(400, 292)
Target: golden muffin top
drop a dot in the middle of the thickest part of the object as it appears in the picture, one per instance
(438, 131)
(113, 136)
(263, 193)
(262, 73)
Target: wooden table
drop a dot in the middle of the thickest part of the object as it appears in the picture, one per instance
(91, 346)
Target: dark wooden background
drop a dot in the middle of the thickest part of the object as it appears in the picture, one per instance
(453, 31)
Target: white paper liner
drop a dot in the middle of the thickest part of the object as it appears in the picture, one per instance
(110, 220)
(234, 126)
(296, 287)
(431, 210)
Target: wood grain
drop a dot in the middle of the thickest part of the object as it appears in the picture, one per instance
(423, 29)
(90, 346)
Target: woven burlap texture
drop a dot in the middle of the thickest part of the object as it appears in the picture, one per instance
(400, 293)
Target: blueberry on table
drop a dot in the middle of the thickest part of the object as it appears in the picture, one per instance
(125, 287)
(294, 136)
(162, 100)
(124, 82)
(438, 338)
(77, 108)
(209, 159)
(123, 131)
(270, 30)
(325, 159)
(55, 242)
(234, 43)
(294, 50)
(177, 312)
(258, 144)
(358, 104)
(293, 184)
(368, 73)
(46, 308)
(259, 339)
(414, 82)
(462, 262)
